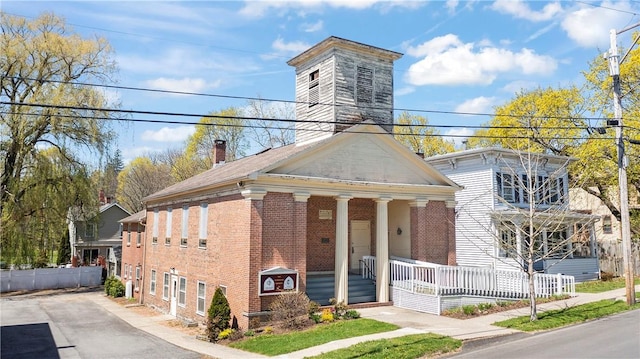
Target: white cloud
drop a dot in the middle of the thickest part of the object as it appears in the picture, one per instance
(589, 26)
(185, 84)
(258, 9)
(458, 135)
(316, 26)
(451, 5)
(518, 86)
(521, 10)
(477, 105)
(182, 62)
(448, 61)
(404, 91)
(168, 134)
(289, 47)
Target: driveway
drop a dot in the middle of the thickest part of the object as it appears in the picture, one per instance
(70, 326)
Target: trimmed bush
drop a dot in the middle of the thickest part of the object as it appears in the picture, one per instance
(218, 316)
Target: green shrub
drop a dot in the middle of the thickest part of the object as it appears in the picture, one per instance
(218, 316)
(116, 289)
(316, 318)
(339, 308)
(469, 309)
(484, 306)
(351, 314)
(249, 333)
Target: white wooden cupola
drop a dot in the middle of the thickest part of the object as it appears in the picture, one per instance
(340, 83)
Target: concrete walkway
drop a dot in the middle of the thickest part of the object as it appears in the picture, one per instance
(411, 322)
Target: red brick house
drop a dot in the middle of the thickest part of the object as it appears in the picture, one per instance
(133, 242)
(271, 221)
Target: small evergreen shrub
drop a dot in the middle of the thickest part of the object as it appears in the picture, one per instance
(485, 306)
(218, 316)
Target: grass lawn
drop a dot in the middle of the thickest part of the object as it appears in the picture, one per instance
(571, 315)
(406, 347)
(276, 344)
(598, 286)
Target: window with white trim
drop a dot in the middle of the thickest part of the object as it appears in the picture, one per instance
(182, 292)
(202, 289)
(167, 231)
(204, 214)
(506, 188)
(314, 88)
(508, 242)
(152, 283)
(128, 234)
(165, 286)
(89, 229)
(138, 236)
(156, 216)
(138, 269)
(184, 234)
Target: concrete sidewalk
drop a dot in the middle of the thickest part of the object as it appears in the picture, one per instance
(411, 322)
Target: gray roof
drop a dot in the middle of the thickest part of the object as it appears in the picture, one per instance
(232, 171)
(135, 218)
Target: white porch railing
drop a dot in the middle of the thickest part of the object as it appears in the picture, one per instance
(441, 280)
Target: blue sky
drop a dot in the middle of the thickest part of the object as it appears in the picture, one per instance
(459, 56)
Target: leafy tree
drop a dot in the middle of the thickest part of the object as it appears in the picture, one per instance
(140, 178)
(267, 129)
(540, 120)
(414, 132)
(42, 107)
(227, 125)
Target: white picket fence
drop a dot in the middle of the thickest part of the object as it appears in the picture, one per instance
(49, 278)
(442, 280)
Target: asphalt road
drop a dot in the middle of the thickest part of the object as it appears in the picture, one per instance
(66, 326)
(615, 337)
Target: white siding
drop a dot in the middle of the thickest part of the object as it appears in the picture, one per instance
(474, 238)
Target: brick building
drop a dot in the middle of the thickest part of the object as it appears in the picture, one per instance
(271, 221)
(132, 252)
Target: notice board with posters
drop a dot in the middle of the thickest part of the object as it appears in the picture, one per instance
(277, 280)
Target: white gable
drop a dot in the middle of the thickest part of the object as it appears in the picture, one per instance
(363, 157)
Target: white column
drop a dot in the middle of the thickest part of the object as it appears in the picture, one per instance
(342, 250)
(382, 250)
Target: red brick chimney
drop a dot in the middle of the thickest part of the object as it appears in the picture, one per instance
(102, 198)
(219, 152)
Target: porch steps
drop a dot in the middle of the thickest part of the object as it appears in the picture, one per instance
(320, 288)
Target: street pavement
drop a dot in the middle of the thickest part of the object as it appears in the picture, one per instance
(409, 321)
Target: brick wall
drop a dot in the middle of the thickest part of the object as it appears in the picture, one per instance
(433, 233)
(132, 256)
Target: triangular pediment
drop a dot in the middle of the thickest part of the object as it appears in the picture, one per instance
(364, 154)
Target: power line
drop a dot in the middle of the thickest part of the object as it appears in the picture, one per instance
(439, 112)
(294, 121)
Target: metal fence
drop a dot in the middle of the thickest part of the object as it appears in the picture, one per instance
(49, 278)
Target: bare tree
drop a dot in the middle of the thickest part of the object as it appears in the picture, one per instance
(519, 218)
(272, 124)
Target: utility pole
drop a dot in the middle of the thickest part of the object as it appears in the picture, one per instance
(625, 228)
